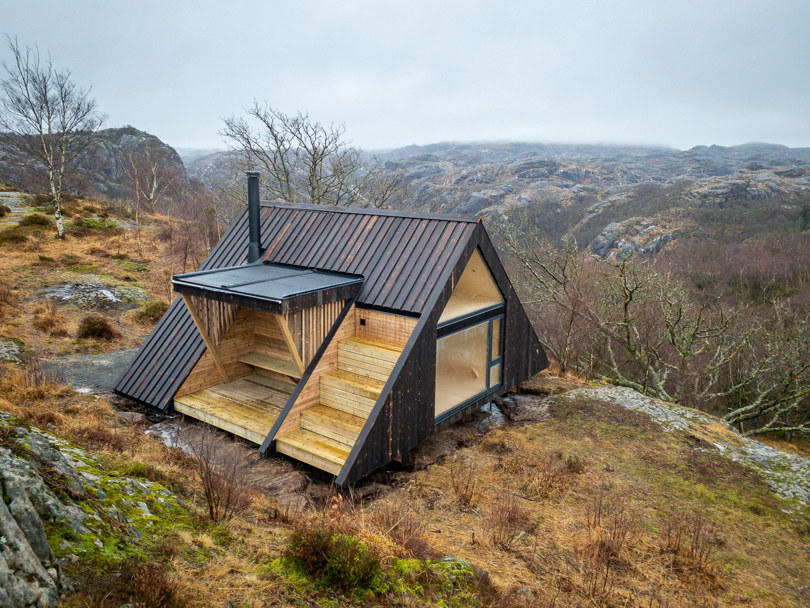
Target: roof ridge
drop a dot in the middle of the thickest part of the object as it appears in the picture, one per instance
(446, 217)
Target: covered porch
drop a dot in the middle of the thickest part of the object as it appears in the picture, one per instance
(262, 324)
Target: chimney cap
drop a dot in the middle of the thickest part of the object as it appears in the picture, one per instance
(252, 173)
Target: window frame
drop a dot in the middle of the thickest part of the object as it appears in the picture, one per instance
(489, 316)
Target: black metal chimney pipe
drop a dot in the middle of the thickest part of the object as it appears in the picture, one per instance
(254, 247)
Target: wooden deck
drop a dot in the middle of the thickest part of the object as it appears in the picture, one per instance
(247, 407)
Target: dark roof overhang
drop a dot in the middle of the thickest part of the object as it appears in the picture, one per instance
(277, 288)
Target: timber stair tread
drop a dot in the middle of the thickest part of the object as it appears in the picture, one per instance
(328, 431)
(386, 351)
(271, 363)
(335, 424)
(351, 382)
(315, 449)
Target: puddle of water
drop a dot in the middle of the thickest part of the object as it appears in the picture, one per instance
(172, 435)
(494, 417)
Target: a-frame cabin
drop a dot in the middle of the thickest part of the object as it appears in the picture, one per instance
(340, 337)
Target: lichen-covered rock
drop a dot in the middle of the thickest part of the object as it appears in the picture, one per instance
(57, 504)
(11, 351)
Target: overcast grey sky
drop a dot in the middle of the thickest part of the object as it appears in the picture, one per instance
(677, 73)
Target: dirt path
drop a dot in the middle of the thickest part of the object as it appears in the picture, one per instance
(92, 373)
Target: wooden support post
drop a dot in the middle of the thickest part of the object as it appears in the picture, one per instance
(209, 343)
(285, 331)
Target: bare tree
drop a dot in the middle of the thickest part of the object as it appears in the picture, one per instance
(46, 121)
(149, 181)
(631, 324)
(306, 162)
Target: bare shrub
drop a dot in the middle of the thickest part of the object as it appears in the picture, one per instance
(464, 479)
(7, 295)
(611, 529)
(507, 519)
(37, 380)
(690, 540)
(397, 521)
(137, 584)
(48, 319)
(223, 473)
(552, 475)
(101, 437)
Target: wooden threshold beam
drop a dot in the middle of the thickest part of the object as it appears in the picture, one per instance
(209, 343)
(285, 331)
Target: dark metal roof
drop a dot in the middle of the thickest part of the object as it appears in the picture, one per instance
(401, 256)
(275, 287)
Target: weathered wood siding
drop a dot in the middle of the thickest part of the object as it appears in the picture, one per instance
(404, 415)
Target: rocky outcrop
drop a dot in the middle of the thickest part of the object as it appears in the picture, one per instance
(635, 235)
(100, 171)
(57, 506)
(592, 191)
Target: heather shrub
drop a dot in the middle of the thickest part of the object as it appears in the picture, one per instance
(98, 328)
(152, 311)
(335, 560)
(35, 219)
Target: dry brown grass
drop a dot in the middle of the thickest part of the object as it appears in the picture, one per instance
(571, 509)
(42, 261)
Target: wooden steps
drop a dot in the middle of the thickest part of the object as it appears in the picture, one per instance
(328, 431)
(270, 363)
(370, 358)
(246, 407)
(329, 422)
(314, 449)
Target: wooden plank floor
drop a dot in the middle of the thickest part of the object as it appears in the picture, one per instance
(247, 407)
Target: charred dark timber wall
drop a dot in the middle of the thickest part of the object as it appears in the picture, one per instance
(404, 415)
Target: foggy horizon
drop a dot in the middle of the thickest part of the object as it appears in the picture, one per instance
(695, 73)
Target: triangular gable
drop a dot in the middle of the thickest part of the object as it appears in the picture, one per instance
(476, 290)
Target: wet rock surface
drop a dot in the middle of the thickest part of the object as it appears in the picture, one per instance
(92, 373)
(18, 203)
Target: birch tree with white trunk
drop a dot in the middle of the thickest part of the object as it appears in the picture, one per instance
(46, 121)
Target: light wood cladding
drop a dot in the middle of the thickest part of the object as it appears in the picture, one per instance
(237, 340)
(475, 290)
(257, 331)
(310, 394)
(384, 326)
